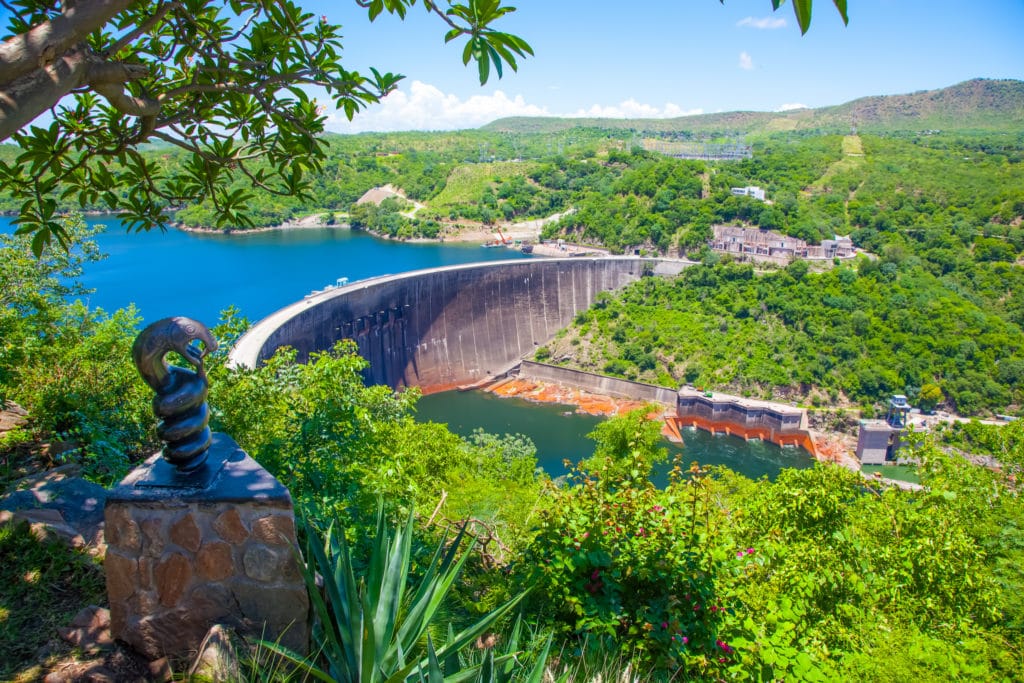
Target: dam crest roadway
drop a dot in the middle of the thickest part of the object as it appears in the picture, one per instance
(443, 328)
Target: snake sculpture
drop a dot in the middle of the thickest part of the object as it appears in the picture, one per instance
(180, 400)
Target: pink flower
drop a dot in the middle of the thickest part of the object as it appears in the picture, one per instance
(664, 624)
(725, 647)
(740, 554)
(685, 640)
(750, 551)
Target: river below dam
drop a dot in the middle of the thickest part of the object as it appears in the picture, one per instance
(200, 274)
(560, 433)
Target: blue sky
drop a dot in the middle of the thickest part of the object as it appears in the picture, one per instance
(676, 57)
(666, 58)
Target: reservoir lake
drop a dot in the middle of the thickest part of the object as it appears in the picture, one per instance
(200, 274)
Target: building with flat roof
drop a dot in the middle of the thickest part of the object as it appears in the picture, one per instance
(745, 412)
(743, 417)
(877, 441)
(751, 191)
(757, 244)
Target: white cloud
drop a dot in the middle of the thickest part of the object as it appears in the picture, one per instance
(631, 109)
(789, 106)
(768, 23)
(746, 62)
(425, 107)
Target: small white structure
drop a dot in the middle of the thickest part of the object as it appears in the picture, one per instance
(752, 191)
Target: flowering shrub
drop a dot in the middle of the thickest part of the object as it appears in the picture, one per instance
(616, 559)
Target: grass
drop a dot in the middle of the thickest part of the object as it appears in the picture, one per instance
(466, 182)
(853, 158)
(898, 472)
(43, 584)
(852, 145)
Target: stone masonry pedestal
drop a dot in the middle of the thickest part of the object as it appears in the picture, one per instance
(180, 560)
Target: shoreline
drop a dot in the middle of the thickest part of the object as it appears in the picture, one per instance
(524, 232)
(521, 231)
(827, 447)
(313, 223)
(477, 237)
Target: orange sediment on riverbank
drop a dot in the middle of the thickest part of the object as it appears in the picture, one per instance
(798, 438)
(823, 447)
(835, 448)
(585, 402)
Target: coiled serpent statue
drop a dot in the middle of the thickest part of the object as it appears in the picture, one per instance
(180, 400)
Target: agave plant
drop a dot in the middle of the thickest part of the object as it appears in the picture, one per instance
(374, 628)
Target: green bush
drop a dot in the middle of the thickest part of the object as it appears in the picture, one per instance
(627, 567)
(68, 365)
(374, 624)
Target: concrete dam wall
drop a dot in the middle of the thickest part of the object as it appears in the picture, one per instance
(446, 327)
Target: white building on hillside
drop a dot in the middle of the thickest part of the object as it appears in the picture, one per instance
(755, 192)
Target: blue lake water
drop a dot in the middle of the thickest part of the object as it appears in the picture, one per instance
(199, 275)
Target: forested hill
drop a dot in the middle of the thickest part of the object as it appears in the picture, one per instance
(986, 104)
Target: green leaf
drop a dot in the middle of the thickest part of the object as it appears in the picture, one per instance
(433, 666)
(39, 241)
(802, 8)
(496, 58)
(483, 64)
(451, 662)
(841, 6)
(487, 668)
(537, 673)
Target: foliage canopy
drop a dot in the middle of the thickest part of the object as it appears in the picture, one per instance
(226, 82)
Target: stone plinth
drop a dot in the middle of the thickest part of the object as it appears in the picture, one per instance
(180, 560)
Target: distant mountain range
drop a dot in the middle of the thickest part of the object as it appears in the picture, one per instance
(979, 104)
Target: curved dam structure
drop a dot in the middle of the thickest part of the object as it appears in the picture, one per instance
(446, 327)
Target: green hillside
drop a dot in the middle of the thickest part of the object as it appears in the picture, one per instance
(467, 183)
(941, 301)
(979, 104)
